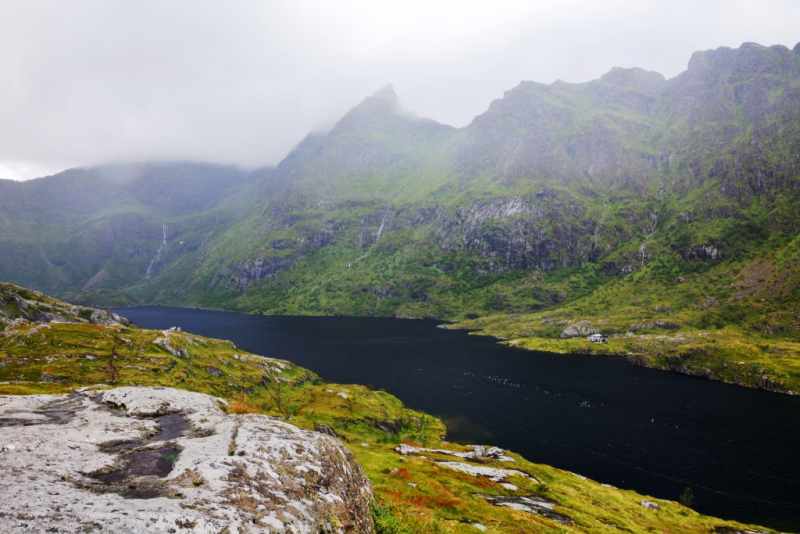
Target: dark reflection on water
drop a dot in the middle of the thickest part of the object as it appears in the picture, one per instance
(636, 428)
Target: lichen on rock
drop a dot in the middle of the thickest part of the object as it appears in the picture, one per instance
(94, 460)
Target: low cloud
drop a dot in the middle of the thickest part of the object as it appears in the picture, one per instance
(241, 82)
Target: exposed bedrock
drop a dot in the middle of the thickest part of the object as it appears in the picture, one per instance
(164, 460)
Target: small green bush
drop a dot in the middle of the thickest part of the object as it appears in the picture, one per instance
(687, 498)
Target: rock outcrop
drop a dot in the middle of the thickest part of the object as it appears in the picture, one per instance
(703, 252)
(650, 505)
(532, 504)
(492, 473)
(579, 330)
(246, 273)
(165, 460)
(478, 452)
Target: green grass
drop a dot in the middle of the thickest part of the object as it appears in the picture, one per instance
(443, 499)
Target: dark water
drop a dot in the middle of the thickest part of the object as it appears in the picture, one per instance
(158, 462)
(635, 428)
(171, 427)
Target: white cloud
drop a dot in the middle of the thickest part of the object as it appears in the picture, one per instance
(25, 170)
(90, 81)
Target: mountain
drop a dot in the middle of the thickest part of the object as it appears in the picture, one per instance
(631, 199)
(103, 227)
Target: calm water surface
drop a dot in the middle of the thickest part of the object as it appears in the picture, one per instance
(642, 429)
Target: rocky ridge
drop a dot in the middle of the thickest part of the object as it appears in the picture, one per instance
(20, 304)
(390, 215)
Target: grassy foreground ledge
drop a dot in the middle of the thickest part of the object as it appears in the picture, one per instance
(415, 492)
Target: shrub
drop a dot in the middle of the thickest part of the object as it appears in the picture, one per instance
(687, 498)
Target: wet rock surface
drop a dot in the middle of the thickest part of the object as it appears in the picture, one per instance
(171, 427)
(163, 460)
(144, 463)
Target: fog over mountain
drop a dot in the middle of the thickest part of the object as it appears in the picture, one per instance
(90, 82)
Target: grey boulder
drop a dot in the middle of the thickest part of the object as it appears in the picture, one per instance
(164, 460)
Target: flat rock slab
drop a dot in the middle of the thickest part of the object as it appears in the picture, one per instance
(532, 504)
(101, 461)
(498, 475)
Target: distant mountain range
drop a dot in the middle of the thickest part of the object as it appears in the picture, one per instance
(553, 195)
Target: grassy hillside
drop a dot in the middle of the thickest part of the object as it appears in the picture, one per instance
(21, 304)
(415, 491)
(735, 320)
(392, 215)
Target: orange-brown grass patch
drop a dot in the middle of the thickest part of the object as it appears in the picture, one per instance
(402, 473)
(482, 482)
(240, 406)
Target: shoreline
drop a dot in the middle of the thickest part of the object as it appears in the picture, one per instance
(763, 380)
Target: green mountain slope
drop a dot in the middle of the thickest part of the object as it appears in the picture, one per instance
(616, 173)
(87, 229)
(603, 200)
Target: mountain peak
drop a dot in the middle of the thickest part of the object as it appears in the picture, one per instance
(634, 78)
(384, 100)
(383, 103)
(385, 92)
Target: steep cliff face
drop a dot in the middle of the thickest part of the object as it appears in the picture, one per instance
(248, 272)
(575, 134)
(741, 111)
(542, 231)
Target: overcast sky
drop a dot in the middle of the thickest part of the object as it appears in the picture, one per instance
(242, 82)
